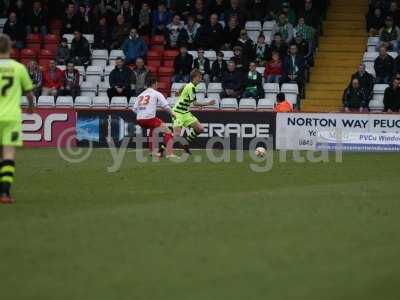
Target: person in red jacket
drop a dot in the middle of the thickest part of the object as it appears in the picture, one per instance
(52, 80)
(274, 69)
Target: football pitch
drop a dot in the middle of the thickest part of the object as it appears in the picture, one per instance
(196, 231)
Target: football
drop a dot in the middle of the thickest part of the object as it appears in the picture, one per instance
(260, 151)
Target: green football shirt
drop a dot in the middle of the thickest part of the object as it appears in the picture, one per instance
(187, 97)
(14, 82)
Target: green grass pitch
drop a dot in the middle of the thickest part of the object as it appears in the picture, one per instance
(201, 231)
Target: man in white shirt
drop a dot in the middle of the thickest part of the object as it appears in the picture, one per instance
(145, 108)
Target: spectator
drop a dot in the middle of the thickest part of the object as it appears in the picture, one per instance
(253, 86)
(211, 36)
(289, 12)
(278, 45)
(110, 8)
(366, 81)
(199, 12)
(182, 7)
(274, 69)
(234, 9)
(183, 65)
(102, 35)
(247, 44)
(37, 19)
(261, 51)
(70, 20)
(375, 22)
(36, 76)
(52, 80)
(282, 105)
(202, 64)
(161, 18)
(241, 62)
(219, 67)
(120, 32)
(130, 14)
(140, 76)
(232, 82)
(86, 19)
(188, 35)
(394, 12)
(173, 30)
(293, 69)
(354, 97)
(312, 16)
(304, 48)
(391, 99)
(63, 53)
(19, 8)
(144, 19)
(15, 29)
(389, 34)
(218, 7)
(308, 32)
(231, 32)
(134, 47)
(80, 50)
(284, 28)
(71, 86)
(120, 80)
(384, 65)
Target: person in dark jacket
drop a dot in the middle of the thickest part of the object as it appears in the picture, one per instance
(231, 32)
(202, 64)
(102, 35)
(239, 59)
(211, 35)
(384, 65)
(247, 45)
(120, 80)
(232, 82)
(219, 67)
(366, 80)
(37, 19)
(15, 29)
(183, 65)
(375, 21)
(277, 45)
(355, 97)
(134, 47)
(80, 50)
(70, 20)
(253, 86)
(294, 69)
(391, 99)
(235, 9)
(189, 34)
(63, 53)
(389, 34)
(71, 86)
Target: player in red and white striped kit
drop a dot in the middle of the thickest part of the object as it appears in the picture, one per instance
(145, 108)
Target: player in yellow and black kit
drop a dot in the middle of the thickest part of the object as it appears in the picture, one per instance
(14, 81)
(183, 117)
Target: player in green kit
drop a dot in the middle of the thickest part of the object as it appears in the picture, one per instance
(14, 81)
(183, 116)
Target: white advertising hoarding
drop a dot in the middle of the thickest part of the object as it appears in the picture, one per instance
(349, 132)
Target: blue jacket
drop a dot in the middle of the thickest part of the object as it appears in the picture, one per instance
(134, 48)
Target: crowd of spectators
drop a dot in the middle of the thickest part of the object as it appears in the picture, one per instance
(187, 25)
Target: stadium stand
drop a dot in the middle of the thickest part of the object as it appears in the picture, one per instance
(43, 44)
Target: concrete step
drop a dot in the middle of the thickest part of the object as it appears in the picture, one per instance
(342, 47)
(325, 86)
(325, 95)
(326, 63)
(338, 55)
(345, 32)
(320, 109)
(348, 16)
(347, 8)
(344, 39)
(328, 79)
(344, 25)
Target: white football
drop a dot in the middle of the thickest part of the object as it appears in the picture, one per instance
(260, 151)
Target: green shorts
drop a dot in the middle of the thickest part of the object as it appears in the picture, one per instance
(10, 133)
(184, 120)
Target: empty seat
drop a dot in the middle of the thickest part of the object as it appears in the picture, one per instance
(271, 88)
(290, 88)
(94, 73)
(119, 102)
(107, 71)
(69, 37)
(170, 54)
(376, 105)
(99, 63)
(229, 103)
(89, 37)
(261, 70)
(25, 102)
(201, 87)
(370, 56)
(45, 101)
(292, 97)
(65, 101)
(100, 102)
(100, 54)
(227, 54)
(268, 25)
(193, 53)
(81, 70)
(393, 54)
(51, 39)
(214, 96)
(253, 35)
(266, 104)
(247, 103)
(116, 53)
(214, 87)
(132, 101)
(103, 87)
(214, 106)
(83, 101)
(176, 86)
(253, 26)
(380, 88)
(210, 54)
(88, 88)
